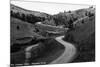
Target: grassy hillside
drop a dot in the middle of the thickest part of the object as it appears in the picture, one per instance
(49, 30)
(64, 19)
(67, 18)
(22, 32)
(84, 30)
(27, 15)
(83, 37)
(25, 11)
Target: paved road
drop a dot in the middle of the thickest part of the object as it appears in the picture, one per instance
(68, 54)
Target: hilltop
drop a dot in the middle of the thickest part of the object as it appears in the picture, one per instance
(25, 11)
(64, 19)
(27, 15)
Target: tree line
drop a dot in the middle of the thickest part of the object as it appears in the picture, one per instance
(27, 17)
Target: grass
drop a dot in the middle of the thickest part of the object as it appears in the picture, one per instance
(84, 39)
(53, 50)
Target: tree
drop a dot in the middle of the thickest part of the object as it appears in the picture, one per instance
(69, 11)
(90, 14)
(23, 17)
(82, 20)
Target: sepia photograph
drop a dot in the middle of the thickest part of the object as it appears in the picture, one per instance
(44, 33)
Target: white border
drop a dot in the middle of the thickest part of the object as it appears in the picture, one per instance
(5, 34)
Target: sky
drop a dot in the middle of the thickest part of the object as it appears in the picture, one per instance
(50, 8)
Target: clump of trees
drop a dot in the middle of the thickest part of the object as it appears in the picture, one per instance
(66, 20)
(27, 17)
(89, 14)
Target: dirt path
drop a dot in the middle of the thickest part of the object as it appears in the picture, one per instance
(68, 54)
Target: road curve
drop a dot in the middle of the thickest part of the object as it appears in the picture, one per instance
(69, 53)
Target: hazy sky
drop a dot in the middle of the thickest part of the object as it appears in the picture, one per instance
(50, 8)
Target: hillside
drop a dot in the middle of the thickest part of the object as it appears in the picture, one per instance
(64, 19)
(25, 11)
(84, 30)
(22, 32)
(67, 18)
(50, 28)
(83, 37)
(27, 15)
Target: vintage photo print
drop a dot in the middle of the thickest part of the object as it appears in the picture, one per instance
(51, 33)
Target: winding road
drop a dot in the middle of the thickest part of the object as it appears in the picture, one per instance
(69, 53)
